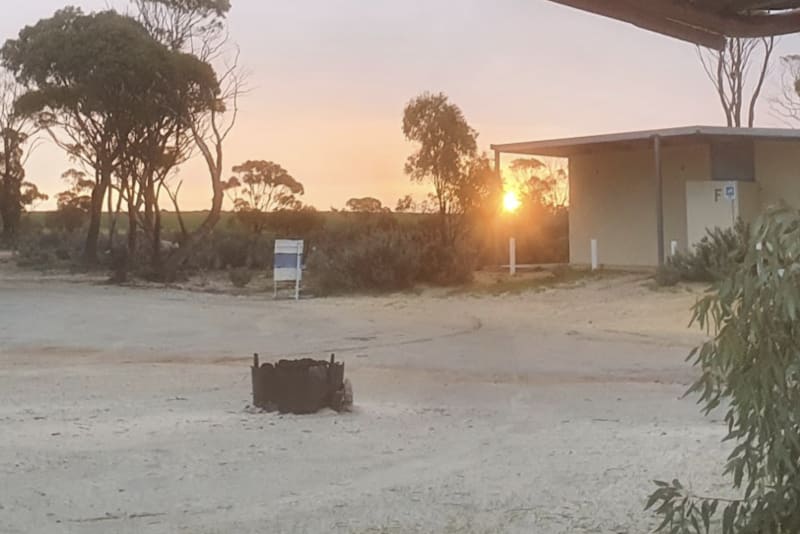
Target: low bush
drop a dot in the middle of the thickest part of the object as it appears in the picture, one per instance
(714, 257)
(240, 277)
(374, 252)
(450, 265)
(48, 249)
(372, 259)
(233, 248)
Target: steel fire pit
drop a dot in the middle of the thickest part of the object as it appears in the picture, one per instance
(301, 386)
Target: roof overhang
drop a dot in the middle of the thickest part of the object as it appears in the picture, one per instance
(567, 147)
(703, 22)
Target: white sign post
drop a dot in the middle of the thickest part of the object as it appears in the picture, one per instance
(595, 260)
(288, 264)
(512, 256)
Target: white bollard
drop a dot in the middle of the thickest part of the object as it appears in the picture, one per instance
(673, 248)
(512, 256)
(595, 262)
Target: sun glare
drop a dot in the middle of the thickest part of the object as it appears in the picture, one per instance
(511, 202)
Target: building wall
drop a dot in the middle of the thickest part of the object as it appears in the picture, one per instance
(708, 206)
(681, 165)
(778, 172)
(613, 200)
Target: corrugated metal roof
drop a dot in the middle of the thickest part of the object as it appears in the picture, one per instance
(705, 22)
(566, 146)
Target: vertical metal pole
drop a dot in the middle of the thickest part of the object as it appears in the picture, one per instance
(659, 179)
(512, 256)
(497, 247)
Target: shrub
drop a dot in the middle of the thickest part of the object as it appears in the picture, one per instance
(240, 277)
(67, 218)
(47, 249)
(750, 369)
(668, 275)
(376, 252)
(713, 258)
(446, 265)
(372, 259)
(233, 248)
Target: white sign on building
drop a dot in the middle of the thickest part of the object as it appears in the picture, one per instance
(730, 192)
(288, 264)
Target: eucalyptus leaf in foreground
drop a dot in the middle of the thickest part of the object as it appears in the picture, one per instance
(751, 368)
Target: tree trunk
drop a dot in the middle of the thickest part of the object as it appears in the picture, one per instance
(132, 229)
(179, 257)
(112, 231)
(149, 204)
(156, 260)
(111, 222)
(6, 219)
(10, 207)
(96, 217)
(214, 162)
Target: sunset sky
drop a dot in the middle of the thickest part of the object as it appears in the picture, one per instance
(329, 79)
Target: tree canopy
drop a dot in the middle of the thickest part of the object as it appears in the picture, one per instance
(97, 82)
(365, 205)
(446, 143)
(447, 156)
(259, 187)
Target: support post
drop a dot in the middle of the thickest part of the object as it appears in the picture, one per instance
(595, 260)
(299, 272)
(659, 183)
(512, 256)
(497, 163)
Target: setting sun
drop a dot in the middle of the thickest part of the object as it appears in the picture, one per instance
(511, 202)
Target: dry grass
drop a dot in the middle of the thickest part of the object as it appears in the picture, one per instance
(499, 283)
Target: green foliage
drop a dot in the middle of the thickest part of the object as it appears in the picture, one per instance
(106, 86)
(44, 250)
(260, 187)
(179, 23)
(713, 258)
(365, 205)
(103, 65)
(73, 204)
(448, 264)
(752, 369)
(405, 204)
(465, 187)
(541, 186)
(240, 277)
(378, 253)
(233, 248)
(16, 194)
(365, 255)
(446, 141)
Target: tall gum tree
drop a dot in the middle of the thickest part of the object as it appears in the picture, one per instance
(94, 81)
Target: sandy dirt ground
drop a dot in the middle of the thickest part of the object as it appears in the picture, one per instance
(125, 410)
